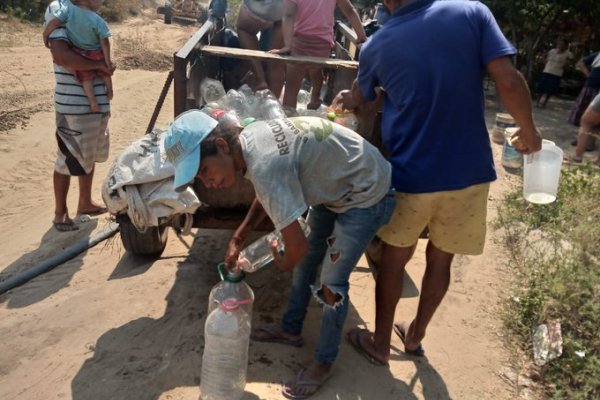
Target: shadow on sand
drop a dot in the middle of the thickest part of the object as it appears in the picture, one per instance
(41, 287)
(147, 357)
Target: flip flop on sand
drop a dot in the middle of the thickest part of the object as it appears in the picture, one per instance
(354, 337)
(302, 388)
(274, 335)
(93, 213)
(418, 352)
(65, 226)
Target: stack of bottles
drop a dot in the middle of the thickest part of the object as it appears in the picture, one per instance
(251, 106)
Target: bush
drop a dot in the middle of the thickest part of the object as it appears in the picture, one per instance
(563, 284)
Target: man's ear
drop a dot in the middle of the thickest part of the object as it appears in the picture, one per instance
(223, 145)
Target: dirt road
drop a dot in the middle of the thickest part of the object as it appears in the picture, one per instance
(107, 325)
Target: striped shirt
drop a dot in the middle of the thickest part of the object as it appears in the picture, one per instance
(69, 97)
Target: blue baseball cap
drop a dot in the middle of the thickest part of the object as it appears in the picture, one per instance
(182, 144)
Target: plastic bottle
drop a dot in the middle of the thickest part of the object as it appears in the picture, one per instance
(302, 100)
(211, 90)
(511, 158)
(234, 100)
(258, 253)
(232, 286)
(225, 358)
(268, 106)
(342, 117)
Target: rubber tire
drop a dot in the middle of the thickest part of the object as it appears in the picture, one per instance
(168, 15)
(150, 243)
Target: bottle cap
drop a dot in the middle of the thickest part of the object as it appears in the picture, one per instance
(230, 276)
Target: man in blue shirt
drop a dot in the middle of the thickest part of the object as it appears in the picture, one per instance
(430, 58)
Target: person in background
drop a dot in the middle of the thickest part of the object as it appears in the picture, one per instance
(82, 135)
(89, 34)
(295, 164)
(588, 131)
(549, 84)
(590, 66)
(262, 16)
(308, 31)
(430, 57)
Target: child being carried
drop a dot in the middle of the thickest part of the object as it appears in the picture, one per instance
(88, 33)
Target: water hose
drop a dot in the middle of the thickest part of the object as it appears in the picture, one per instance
(54, 261)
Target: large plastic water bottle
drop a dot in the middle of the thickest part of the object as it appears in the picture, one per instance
(259, 253)
(225, 358)
(232, 286)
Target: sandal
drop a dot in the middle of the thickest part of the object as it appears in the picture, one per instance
(65, 226)
(354, 337)
(93, 213)
(572, 160)
(418, 352)
(267, 334)
(307, 387)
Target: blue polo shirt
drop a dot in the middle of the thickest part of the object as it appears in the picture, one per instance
(593, 63)
(430, 59)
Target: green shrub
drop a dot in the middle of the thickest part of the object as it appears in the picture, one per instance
(563, 286)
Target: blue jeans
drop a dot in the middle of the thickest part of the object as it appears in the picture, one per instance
(335, 244)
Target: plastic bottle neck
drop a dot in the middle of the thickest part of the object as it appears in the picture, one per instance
(228, 276)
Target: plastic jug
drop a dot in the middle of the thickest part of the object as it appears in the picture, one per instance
(232, 286)
(225, 357)
(541, 173)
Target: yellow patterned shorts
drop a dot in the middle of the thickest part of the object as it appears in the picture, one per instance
(456, 219)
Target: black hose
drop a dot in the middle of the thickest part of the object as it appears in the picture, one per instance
(54, 261)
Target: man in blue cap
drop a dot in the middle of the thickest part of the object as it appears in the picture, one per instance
(295, 164)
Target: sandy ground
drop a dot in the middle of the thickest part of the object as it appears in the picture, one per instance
(107, 325)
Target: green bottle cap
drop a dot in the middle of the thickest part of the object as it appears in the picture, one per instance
(228, 275)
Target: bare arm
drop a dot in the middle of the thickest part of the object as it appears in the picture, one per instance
(287, 26)
(50, 27)
(105, 45)
(296, 247)
(256, 214)
(349, 99)
(516, 98)
(350, 13)
(67, 58)
(583, 68)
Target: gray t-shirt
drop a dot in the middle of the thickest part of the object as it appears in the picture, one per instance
(305, 161)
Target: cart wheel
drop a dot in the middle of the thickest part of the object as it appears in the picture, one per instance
(150, 243)
(168, 15)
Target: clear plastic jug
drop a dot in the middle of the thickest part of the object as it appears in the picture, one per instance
(225, 357)
(541, 173)
(232, 286)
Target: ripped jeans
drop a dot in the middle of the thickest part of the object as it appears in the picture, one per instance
(336, 243)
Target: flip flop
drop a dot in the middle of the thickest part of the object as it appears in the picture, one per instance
(93, 213)
(354, 337)
(418, 352)
(287, 390)
(273, 335)
(65, 226)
